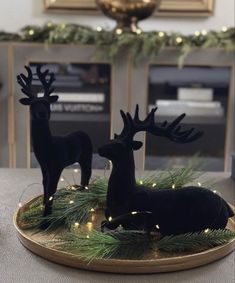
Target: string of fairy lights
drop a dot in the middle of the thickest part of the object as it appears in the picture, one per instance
(111, 43)
(90, 223)
(179, 39)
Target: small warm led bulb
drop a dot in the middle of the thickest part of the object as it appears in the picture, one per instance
(62, 179)
(215, 192)
(71, 202)
(199, 184)
(76, 224)
(134, 212)
(110, 218)
(118, 31)
(50, 198)
(31, 32)
(88, 236)
(197, 33)
(204, 32)
(206, 230)
(161, 34)
(86, 188)
(20, 204)
(99, 29)
(92, 210)
(157, 226)
(178, 39)
(89, 226)
(75, 170)
(138, 31)
(141, 182)
(224, 29)
(173, 186)
(154, 185)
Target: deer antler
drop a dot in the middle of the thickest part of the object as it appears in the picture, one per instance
(46, 83)
(126, 126)
(26, 82)
(170, 130)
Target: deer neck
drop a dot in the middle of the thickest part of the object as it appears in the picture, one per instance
(121, 182)
(41, 134)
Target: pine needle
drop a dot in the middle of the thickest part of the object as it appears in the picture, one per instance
(176, 177)
(194, 241)
(127, 244)
(70, 205)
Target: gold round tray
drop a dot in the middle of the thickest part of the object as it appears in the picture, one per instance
(156, 265)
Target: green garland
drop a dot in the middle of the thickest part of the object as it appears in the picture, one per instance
(126, 244)
(75, 206)
(110, 45)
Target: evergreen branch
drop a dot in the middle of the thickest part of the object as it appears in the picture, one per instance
(195, 241)
(176, 177)
(70, 206)
(126, 244)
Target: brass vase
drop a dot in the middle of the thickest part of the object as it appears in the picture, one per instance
(127, 13)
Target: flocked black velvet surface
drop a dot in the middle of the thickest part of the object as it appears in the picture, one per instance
(52, 152)
(169, 211)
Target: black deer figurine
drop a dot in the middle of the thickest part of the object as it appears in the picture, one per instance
(52, 152)
(169, 211)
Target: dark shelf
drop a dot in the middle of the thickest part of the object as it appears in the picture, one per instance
(84, 117)
(197, 120)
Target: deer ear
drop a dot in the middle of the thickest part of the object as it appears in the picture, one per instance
(25, 101)
(136, 145)
(53, 98)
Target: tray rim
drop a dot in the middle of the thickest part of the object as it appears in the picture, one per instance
(122, 266)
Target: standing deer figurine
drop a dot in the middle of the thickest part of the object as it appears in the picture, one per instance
(171, 211)
(52, 152)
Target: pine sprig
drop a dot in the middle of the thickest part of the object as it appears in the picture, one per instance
(127, 244)
(194, 241)
(176, 177)
(70, 206)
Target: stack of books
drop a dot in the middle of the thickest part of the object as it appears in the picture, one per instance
(191, 108)
(195, 102)
(79, 103)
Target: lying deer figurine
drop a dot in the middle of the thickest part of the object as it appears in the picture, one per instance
(171, 211)
(53, 153)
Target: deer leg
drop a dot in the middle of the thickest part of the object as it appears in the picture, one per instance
(45, 185)
(52, 187)
(85, 164)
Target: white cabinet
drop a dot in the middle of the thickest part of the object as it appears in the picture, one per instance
(129, 85)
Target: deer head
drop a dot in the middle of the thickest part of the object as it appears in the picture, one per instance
(39, 106)
(124, 143)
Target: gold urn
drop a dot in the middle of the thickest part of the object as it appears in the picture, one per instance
(127, 13)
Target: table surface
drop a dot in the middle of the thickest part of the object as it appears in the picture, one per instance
(17, 264)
